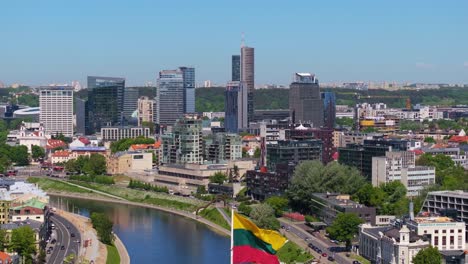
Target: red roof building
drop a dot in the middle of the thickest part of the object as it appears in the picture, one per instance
(135, 147)
(5, 258)
(459, 139)
(55, 143)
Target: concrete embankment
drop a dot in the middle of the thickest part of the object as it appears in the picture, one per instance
(215, 227)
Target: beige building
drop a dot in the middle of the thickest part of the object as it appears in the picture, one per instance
(145, 110)
(185, 178)
(123, 162)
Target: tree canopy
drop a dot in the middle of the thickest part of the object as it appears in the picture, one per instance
(103, 226)
(23, 242)
(92, 165)
(313, 177)
(124, 144)
(388, 198)
(218, 177)
(429, 255)
(278, 203)
(37, 152)
(345, 227)
(264, 217)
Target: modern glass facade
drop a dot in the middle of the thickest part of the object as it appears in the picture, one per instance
(81, 113)
(305, 102)
(130, 104)
(170, 97)
(105, 102)
(287, 151)
(235, 106)
(235, 70)
(247, 70)
(188, 74)
(329, 109)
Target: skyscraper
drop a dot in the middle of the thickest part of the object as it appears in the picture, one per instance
(56, 103)
(188, 74)
(130, 104)
(329, 109)
(305, 104)
(235, 70)
(105, 102)
(235, 107)
(170, 97)
(248, 77)
(81, 115)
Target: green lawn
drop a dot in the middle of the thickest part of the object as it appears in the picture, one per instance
(214, 216)
(291, 253)
(113, 256)
(54, 185)
(360, 259)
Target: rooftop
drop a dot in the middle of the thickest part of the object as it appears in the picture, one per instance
(341, 200)
(457, 193)
(433, 219)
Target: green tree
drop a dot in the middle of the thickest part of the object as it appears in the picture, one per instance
(244, 208)
(201, 190)
(345, 121)
(37, 152)
(103, 227)
(95, 165)
(23, 242)
(278, 204)
(429, 140)
(264, 217)
(370, 195)
(148, 124)
(218, 177)
(429, 255)
(345, 227)
(19, 155)
(257, 153)
(3, 240)
(312, 176)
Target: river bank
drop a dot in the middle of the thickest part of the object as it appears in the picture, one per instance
(218, 229)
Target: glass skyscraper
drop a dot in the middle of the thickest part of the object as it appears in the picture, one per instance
(329, 109)
(235, 107)
(248, 77)
(305, 102)
(131, 96)
(235, 71)
(105, 102)
(188, 74)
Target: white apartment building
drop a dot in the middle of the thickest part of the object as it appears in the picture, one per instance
(118, 133)
(400, 166)
(145, 110)
(56, 103)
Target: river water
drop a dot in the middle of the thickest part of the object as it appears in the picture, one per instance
(152, 236)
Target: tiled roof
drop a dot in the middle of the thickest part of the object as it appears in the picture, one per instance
(55, 143)
(61, 153)
(4, 257)
(156, 145)
(84, 140)
(31, 203)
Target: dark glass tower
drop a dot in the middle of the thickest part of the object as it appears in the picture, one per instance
(105, 102)
(329, 109)
(130, 104)
(235, 107)
(248, 77)
(235, 68)
(305, 103)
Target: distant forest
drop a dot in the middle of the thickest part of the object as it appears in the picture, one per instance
(212, 99)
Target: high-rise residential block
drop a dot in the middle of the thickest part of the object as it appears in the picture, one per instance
(188, 75)
(235, 68)
(236, 112)
(305, 104)
(105, 102)
(247, 69)
(329, 109)
(185, 143)
(145, 110)
(56, 103)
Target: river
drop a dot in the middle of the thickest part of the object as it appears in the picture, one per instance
(152, 236)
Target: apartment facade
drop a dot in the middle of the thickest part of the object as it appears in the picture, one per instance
(56, 103)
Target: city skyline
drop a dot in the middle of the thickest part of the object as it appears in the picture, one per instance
(368, 41)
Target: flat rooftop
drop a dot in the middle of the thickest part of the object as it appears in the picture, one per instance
(433, 219)
(342, 200)
(457, 193)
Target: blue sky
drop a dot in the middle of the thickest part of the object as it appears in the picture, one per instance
(44, 42)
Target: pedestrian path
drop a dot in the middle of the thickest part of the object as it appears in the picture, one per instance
(225, 215)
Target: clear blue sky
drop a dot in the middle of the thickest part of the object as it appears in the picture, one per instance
(43, 42)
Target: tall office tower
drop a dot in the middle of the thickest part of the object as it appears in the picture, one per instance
(305, 104)
(145, 110)
(188, 74)
(169, 97)
(56, 103)
(105, 102)
(247, 68)
(235, 70)
(130, 104)
(235, 107)
(329, 109)
(81, 115)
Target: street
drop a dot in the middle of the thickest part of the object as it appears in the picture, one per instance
(63, 237)
(316, 242)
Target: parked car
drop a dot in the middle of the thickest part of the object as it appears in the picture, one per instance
(356, 262)
(72, 234)
(324, 255)
(48, 251)
(62, 247)
(330, 258)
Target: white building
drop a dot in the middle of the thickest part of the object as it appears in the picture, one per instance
(145, 110)
(56, 103)
(400, 166)
(30, 138)
(118, 133)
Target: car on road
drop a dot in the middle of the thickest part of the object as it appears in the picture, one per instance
(310, 245)
(68, 227)
(53, 241)
(330, 258)
(319, 251)
(51, 248)
(72, 234)
(48, 251)
(62, 247)
(356, 262)
(324, 255)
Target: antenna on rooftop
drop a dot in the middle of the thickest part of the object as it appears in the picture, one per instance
(242, 40)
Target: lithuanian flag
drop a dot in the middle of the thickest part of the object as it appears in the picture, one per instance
(251, 244)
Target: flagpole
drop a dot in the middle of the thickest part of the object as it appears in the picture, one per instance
(232, 235)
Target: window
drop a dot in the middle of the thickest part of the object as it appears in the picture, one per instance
(452, 240)
(444, 231)
(451, 231)
(436, 241)
(436, 231)
(444, 241)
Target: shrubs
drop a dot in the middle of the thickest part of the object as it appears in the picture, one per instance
(97, 179)
(103, 227)
(133, 184)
